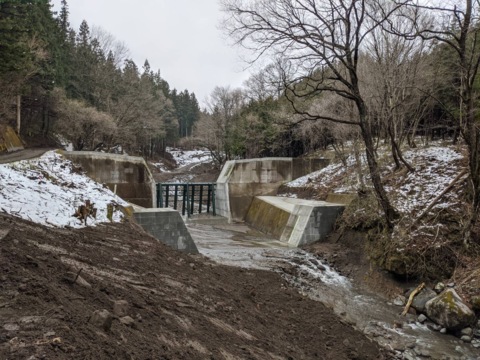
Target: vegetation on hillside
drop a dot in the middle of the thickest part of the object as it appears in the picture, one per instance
(83, 86)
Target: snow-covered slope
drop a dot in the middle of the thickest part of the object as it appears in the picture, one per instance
(49, 189)
(184, 158)
(435, 167)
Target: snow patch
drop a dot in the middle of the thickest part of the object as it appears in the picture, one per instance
(189, 157)
(185, 158)
(47, 191)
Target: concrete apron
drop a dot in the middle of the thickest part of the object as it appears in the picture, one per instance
(296, 222)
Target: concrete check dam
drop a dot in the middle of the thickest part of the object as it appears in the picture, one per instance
(245, 192)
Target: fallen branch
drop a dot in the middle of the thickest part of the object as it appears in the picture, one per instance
(469, 277)
(410, 298)
(78, 274)
(447, 189)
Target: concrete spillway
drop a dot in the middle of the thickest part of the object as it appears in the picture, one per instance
(293, 221)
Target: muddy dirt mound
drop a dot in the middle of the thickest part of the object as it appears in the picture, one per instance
(113, 292)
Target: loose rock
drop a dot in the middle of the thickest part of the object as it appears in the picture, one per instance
(448, 310)
(11, 327)
(399, 300)
(75, 278)
(475, 300)
(421, 298)
(127, 320)
(439, 287)
(120, 308)
(421, 318)
(466, 338)
(102, 319)
(467, 331)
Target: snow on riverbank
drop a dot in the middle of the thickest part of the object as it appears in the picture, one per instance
(435, 167)
(47, 191)
(189, 157)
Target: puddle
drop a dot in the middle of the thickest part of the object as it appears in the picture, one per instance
(237, 245)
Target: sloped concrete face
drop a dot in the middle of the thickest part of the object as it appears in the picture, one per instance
(267, 218)
(129, 175)
(242, 180)
(167, 226)
(294, 221)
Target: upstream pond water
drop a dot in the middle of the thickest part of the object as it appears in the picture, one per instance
(239, 245)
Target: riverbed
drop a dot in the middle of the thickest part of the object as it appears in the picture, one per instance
(238, 245)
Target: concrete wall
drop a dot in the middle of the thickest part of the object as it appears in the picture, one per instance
(241, 180)
(130, 175)
(294, 221)
(167, 226)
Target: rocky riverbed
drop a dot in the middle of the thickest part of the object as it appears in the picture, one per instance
(376, 316)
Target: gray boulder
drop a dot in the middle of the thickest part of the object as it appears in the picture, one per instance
(448, 310)
(421, 298)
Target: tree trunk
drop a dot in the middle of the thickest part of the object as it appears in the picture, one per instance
(397, 152)
(388, 210)
(472, 138)
(358, 161)
(393, 147)
(19, 113)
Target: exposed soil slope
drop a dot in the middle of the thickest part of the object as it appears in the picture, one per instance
(183, 307)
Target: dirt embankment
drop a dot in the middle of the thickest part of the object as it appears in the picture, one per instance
(178, 306)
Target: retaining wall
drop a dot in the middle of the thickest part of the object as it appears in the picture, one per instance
(167, 226)
(241, 180)
(128, 175)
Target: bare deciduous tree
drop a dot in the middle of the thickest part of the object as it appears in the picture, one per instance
(110, 45)
(215, 129)
(322, 42)
(84, 126)
(455, 23)
(397, 80)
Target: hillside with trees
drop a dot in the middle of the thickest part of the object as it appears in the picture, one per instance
(80, 86)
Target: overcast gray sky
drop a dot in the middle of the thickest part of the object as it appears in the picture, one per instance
(179, 37)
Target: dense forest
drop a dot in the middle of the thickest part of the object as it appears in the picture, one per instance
(358, 72)
(79, 86)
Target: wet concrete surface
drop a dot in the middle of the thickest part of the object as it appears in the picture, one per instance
(239, 245)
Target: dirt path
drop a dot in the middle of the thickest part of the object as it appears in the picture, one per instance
(23, 155)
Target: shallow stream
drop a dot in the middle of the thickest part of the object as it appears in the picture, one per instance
(238, 245)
